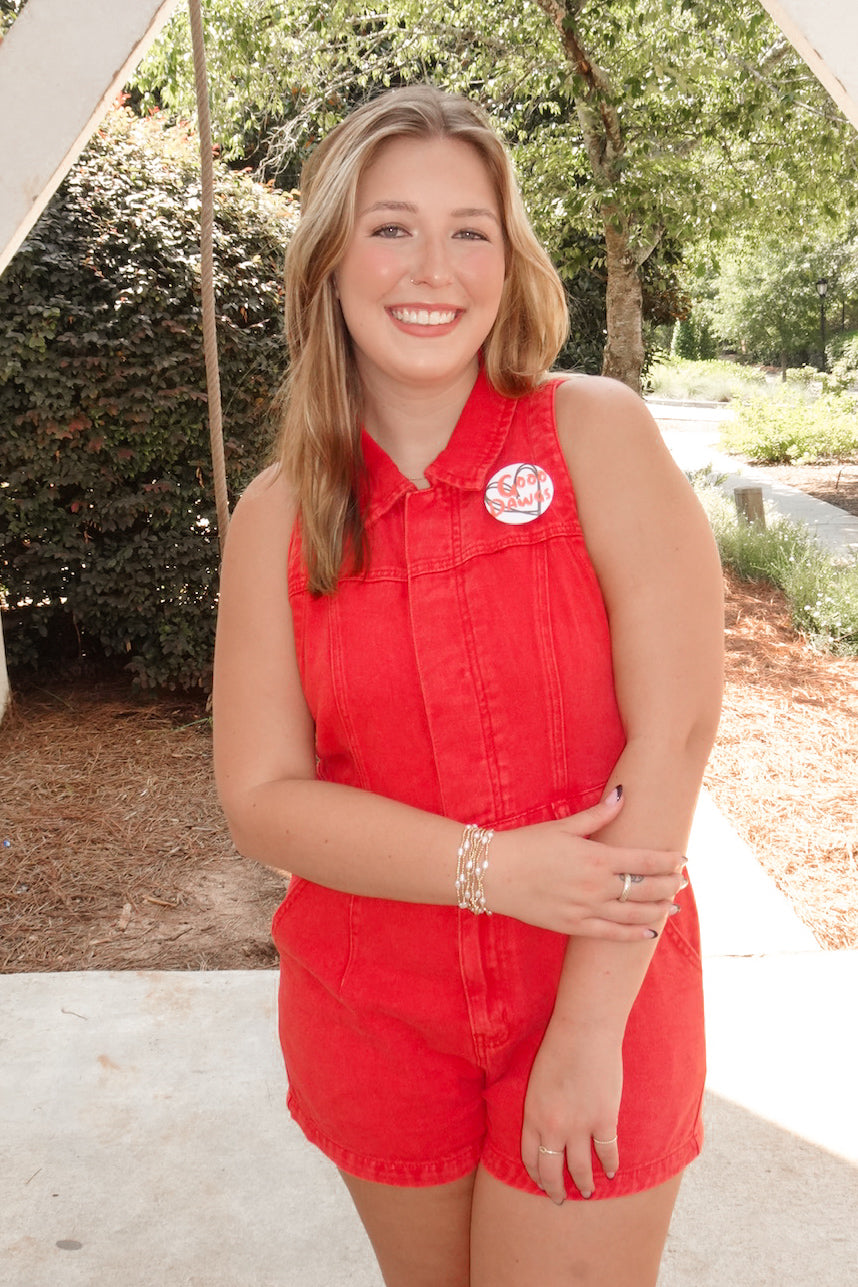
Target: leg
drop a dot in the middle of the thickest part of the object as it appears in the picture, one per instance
(519, 1239)
(420, 1236)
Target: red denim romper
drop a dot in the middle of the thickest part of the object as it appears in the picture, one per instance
(467, 672)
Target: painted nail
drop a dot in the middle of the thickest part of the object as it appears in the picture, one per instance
(615, 796)
(610, 1174)
(587, 1195)
(674, 908)
(651, 933)
(684, 883)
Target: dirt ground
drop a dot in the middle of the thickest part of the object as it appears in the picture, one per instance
(114, 854)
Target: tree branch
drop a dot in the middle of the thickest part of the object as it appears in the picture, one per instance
(597, 115)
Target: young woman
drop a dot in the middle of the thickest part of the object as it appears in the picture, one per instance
(467, 679)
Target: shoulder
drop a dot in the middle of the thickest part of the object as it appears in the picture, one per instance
(623, 474)
(268, 502)
(267, 489)
(605, 429)
(594, 404)
(260, 530)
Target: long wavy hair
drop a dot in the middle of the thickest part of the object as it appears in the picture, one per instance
(320, 402)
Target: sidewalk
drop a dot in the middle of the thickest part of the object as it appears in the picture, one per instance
(691, 431)
(145, 1140)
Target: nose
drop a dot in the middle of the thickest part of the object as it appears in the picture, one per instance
(431, 263)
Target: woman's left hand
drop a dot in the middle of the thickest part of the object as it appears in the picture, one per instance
(571, 1108)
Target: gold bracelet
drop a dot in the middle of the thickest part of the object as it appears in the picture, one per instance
(471, 869)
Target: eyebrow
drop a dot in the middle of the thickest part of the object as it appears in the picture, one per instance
(467, 212)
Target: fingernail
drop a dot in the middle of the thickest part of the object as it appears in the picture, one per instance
(650, 933)
(684, 883)
(615, 796)
(586, 1195)
(610, 1174)
(674, 908)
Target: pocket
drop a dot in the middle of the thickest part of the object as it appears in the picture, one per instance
(311, 928)
(295, 889)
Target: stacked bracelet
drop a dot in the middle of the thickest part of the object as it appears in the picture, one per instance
(471, 869)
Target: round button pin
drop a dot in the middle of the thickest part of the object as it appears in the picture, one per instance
(519, 493)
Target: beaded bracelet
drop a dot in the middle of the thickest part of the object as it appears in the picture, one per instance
(471, 869)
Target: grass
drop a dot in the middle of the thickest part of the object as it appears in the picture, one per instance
(704, 381)
(822, 593)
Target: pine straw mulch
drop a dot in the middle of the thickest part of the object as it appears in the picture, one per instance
(785, 766)
(117, 853)
(118, 858)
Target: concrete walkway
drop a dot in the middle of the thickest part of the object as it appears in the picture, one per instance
(145, 1142)
(692, 432)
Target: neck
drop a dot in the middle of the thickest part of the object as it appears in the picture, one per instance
(414, 425)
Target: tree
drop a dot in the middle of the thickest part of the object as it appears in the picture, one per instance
(766, 301)
(674, 131)
(642, 122)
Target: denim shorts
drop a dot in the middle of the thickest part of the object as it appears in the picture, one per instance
(409, 1032)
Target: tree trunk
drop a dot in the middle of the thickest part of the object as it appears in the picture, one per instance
(624, 352)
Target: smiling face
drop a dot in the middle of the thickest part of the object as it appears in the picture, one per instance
(421, 280)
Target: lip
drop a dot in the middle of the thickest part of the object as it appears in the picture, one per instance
(425, 328)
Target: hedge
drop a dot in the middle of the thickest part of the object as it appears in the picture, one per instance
(108, 541)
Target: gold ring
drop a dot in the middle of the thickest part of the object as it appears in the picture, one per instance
(627, 886)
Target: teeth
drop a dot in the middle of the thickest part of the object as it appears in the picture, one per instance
(422, 316)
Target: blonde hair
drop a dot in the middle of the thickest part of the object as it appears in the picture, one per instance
(320, 402)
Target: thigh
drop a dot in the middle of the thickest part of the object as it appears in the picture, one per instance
(420, 1236)
(518, 1239)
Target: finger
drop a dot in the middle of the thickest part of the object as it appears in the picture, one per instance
(599, 815)
(551, 1176)
(635, 911)
(665, 863)
(645, 889)
(530, 1155)
(581, 1170)
(606, 1148)
(615, 932)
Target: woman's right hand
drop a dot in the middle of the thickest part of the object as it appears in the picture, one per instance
(549, 874)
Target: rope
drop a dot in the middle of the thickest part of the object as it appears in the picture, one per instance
(207, 271)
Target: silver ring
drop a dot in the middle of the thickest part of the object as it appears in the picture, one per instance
(613, 1141)
(627, 886)
(555, 1152)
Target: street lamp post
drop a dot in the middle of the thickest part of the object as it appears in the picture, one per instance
(822, 291)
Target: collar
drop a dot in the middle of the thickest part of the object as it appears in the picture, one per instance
(475, 442)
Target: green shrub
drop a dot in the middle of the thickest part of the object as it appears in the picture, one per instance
(843, 362)
(803, 376)
(707, 381)
(693, 340)
(843, 344)
(108, 537)
(822, 592)
(684, 343)
(782, 431)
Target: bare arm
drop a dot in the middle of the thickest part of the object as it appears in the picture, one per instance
(661, 579)
(353, 840)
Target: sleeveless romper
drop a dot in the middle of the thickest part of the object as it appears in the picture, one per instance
(467, 672)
